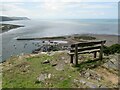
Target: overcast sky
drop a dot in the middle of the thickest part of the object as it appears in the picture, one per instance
(61, 9)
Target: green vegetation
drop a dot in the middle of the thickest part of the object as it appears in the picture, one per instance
(115, 48)
(6, 27)
(24, 71)
(84, 37)
(4, 18)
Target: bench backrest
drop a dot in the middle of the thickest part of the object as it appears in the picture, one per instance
(82, 46)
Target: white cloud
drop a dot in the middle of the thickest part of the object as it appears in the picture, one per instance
(54, 9)
(60, 0)
(98, 6)
(14, 10)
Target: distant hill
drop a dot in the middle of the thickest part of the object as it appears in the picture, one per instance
(4, 18)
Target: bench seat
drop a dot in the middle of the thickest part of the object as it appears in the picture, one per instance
(84, 52)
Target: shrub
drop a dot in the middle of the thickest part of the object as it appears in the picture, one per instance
(106, 50)
(85, 37)
(115, 48)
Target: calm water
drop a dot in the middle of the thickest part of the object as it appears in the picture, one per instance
(42, 28)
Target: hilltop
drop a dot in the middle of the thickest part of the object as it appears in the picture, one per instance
(53, 70)
(5, 18)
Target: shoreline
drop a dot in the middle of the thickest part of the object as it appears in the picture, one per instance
(8, 27)
(111, 39)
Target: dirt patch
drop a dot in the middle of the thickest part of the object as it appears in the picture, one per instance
(108, 76)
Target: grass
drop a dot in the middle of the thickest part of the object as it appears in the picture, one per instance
(90, 64)
(84, 37)
(23, 73)
(6, 27)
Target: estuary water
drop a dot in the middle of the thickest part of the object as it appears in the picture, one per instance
(43, 28)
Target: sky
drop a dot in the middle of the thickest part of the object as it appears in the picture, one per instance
(61, 9)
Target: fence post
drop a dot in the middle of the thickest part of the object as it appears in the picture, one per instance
(76, 54)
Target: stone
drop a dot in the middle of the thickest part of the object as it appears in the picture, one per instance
(91, 85)
(53, 63)
(102, 86)
(87, 74)
(90, 74)
(49, 76)
(42, 77)
(46, 62)
(111, 65)
(59, 67)
(82, 81)
(75, 80)
(62, 58)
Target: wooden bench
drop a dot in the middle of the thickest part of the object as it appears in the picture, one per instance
(86, 47)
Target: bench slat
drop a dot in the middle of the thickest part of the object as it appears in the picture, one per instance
(83, 44)
(84, 52)
(86, 48)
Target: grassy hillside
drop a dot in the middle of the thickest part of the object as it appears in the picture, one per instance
(53, 70)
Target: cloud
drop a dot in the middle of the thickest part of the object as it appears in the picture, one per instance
(13, 9)
(60, 0)
(53, 9)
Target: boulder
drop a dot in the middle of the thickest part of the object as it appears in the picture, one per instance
(53, 63)
(91, 85)
(42, 77)
(82, 81)
(59, 67)
(90, 74)
(46, 62)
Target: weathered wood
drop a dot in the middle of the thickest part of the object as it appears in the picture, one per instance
(84, 52)
(76, 54)
(95, 54)
(71, 59)
(83, 44)
(86, 48)
(101, 51)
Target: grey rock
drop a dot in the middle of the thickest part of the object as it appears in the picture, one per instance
(102, 86)
(82, 81)
(111, 65)
(46, 62)
(42, 77)
(59, 67)
(62, 58)
(49, 76)
(91, 85)
(90, 74)
(53, 63)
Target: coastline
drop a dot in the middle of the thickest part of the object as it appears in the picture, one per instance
(7, 27)
(111, 39)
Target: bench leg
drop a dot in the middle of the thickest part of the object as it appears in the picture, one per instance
(95, 54)
(101, 56)
(71, 58)
(101, 52)
(76, 54)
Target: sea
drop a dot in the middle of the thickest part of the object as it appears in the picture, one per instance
(36, 28)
